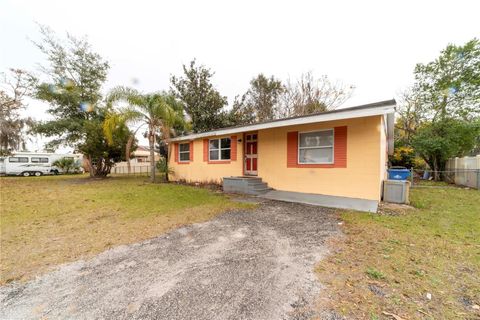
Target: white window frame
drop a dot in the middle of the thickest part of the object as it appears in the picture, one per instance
(317, 147)
(220, 149)
(180, 152)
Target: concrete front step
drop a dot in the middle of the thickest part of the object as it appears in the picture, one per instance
(257, 191)
(262, 191)
(258, 185)
(246, 185)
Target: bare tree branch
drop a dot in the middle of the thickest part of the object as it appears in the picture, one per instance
(309, 95)
(13, 89)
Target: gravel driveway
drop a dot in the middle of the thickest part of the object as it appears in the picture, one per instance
(254, 264)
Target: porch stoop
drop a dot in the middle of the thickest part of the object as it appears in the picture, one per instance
(245, 185)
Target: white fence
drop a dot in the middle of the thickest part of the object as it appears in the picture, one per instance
(464, 171)
(134, 169)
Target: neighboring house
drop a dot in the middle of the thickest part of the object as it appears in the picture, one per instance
(336, 153)
(141, 155)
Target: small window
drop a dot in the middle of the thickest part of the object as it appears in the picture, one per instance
(18, 159)
(315, 147)
(219, 149)
(184, 151)
(38, 160)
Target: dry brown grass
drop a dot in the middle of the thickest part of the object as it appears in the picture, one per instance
(51, 220)
(388, 264)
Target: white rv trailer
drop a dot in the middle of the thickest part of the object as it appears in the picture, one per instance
(35, 163)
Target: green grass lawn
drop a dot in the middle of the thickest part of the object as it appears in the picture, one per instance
(389, 263)
(50, 220)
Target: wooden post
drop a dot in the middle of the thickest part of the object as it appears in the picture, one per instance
(478, 171)
(478, 179)
(411, 176)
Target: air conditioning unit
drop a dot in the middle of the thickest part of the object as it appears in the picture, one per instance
(396, 191)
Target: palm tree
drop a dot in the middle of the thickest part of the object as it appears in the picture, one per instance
(114, 120)
(158, 111)
(65, 164)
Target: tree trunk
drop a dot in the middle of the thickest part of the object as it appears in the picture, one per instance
(167, 164)
(436, 174)
(151, 140)
(441, 170)
(127, 151)
(90, 167)
(98, 168)
(101, 169)
(443, 108)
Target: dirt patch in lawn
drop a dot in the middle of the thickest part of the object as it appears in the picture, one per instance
(394, 209)
(421, 263)
(51, 220)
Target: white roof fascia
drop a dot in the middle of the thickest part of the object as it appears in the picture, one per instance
(390, 132)
(374, 111)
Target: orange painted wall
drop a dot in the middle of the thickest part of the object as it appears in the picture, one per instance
(199, 170)
(361, 178)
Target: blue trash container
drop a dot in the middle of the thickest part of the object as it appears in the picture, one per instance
(398, 174)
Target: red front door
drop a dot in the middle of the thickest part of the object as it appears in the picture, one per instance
(251, 156)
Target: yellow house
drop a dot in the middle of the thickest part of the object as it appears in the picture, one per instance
(338, 156)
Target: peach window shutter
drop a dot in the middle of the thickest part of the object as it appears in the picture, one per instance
(205, 149)
(191, 150)
(176, 151)
(340, 147)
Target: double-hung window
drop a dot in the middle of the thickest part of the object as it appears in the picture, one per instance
(315, 147)
(184, 152)
(219, 149)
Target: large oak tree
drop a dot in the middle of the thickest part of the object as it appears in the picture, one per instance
(439, 115)
(71, 86)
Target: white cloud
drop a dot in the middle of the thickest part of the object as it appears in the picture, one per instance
(371, 44)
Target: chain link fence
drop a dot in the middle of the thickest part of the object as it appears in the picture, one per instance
(462, 177)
